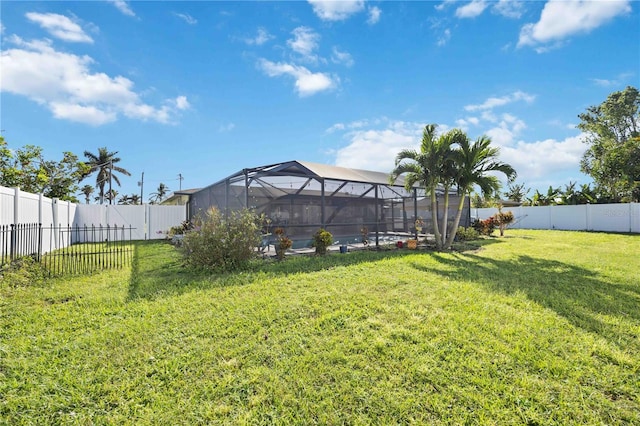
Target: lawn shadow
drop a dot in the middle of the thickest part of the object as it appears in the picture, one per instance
(577, 294)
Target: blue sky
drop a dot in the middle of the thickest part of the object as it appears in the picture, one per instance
(205, 89)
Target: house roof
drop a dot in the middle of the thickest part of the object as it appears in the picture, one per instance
(324, 171)
(177, 194)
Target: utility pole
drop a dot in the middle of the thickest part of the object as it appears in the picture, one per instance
(180, 179)
(110, 176)
(141, 185)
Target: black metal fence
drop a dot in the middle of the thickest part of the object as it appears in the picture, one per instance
(68, 249)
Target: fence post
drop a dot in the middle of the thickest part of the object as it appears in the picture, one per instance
(16, 205)
(12, 243)
(54, 211)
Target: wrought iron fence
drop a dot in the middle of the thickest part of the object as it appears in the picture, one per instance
(68, 250)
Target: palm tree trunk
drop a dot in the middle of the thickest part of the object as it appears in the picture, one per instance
(446, 214)
(434, 218)
(456, 221)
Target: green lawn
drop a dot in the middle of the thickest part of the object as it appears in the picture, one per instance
(538, 327)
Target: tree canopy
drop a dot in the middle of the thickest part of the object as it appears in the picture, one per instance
(613, 135)
(27, 169)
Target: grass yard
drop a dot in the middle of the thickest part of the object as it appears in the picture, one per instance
(538, 327)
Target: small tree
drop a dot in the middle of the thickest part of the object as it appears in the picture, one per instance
(503, 219)
(283, 243)
(321, 240)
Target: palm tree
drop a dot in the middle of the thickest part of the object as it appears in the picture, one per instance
(160, 193)
(473, 162)
(111, 195)
(129, 200)
(427, 167)
(134, 199)
(516, 192)
(124, 200)
(87, 190)
(103, 163)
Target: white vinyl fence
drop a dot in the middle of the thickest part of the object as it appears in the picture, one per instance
(146, 222)
(585, 217)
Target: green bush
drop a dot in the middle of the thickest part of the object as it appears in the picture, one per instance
(467, 234)
(321, 240)
(180, 229)
(485, 227)
(223, 244)
(22, 272)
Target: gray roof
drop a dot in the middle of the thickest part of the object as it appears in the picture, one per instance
(338, 173)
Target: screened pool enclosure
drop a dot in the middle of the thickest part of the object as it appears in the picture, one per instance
(302, 197)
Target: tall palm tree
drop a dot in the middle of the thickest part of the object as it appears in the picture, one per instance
(427, 167)
(87, 190)
(473, 163)
(103, 163)
(160, 193)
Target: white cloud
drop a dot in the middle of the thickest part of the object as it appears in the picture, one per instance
(261, 38)
(307, 83)
(64, 83)
(464, 123)
(82, 114)
(619, 80)
(60, 26)
(377, 149)
(182, 103)
(123, 7)
(332, 10)
(444, 4)
(494, 102)
(304, 42)
(223, 128)
(506, 131)
(562, 19)
(187, 18)
(509, 8)
(444, 38)
(538, 159)
(374, 15)
(339, 57)
(471, 10)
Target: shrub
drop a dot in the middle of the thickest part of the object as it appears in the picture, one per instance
(321, 240)
(484, 227)
(220, 243)
(503, 219)
(22, 272)
(180, 229)
(467, 234)
(283, 243)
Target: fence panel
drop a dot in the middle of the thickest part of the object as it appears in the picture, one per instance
(29, 207)
(591, 217)
(161, 218)
(7, 196)
(570, 218)
(612, 217)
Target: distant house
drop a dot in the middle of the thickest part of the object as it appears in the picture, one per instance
(303, 197)
(179, 198)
